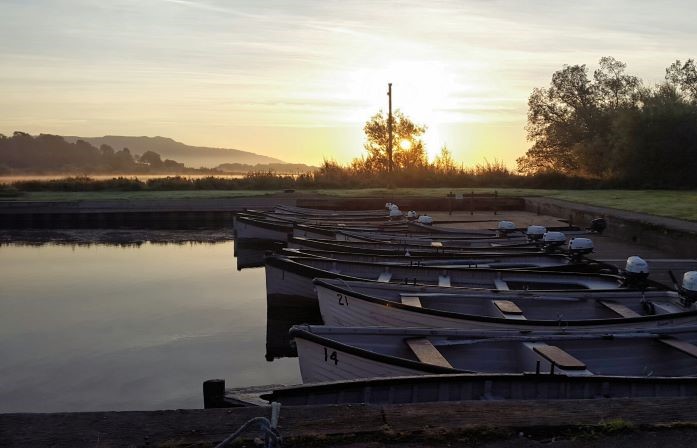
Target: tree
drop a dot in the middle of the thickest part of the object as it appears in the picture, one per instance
(684, 77)
(570, 122)
(444, 162)
(151, 158)
(407, 149)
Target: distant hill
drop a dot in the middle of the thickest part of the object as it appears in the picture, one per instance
(192, 156)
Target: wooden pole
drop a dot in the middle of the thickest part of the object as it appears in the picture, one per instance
(389, 127)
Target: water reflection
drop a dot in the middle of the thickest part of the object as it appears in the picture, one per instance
(133, 326)
(281, 312)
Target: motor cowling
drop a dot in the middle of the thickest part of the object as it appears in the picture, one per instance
(580, 246)
(553, 239)
(598, 225)
(394, 207)
(411, 215)
(688, 289)
(395, 212)
(636, 269)
(505, 227)
(535, 233)
(425, 219)
(388, 205)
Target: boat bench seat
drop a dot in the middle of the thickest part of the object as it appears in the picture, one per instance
(684, 346)
(411, 301)
(436, 244)
(559, 357)
(620, 309)
(427, 353)
(509, 309)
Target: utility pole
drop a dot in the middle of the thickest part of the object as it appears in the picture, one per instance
(389, 127)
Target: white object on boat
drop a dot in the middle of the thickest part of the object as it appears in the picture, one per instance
(395, 212)
(637, 266)
(411, 214)
(580, 246)
(689, 281)
(554, 238)
(506, 226)
(425, 219)
(536, 232)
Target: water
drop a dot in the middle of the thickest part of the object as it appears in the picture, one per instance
(123, 328)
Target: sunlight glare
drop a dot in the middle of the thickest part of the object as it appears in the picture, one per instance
(405, 144)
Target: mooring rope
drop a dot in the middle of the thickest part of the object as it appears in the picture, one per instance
(272, 437)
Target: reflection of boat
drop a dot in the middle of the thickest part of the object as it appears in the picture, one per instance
(281, 315)
(368, 304)
(250, 254)
(344, 353)
(464, 387)
(292, 276)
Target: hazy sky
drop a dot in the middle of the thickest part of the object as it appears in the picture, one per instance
(297, 79)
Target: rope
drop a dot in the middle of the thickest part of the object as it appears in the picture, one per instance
(272, 437)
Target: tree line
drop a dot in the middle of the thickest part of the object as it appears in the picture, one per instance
(611, 127)
(45, 153)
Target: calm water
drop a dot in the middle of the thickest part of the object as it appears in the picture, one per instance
(114, 328)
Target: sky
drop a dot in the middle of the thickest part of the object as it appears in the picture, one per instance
(297, 80)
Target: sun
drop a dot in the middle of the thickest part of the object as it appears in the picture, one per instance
(404, 144)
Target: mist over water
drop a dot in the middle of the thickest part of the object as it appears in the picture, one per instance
(123, 328)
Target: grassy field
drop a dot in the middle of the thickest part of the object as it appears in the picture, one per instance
(676, 204)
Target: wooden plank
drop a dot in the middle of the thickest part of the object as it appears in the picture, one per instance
(620, 309)
(426, 352)
(411, 301)
(559, 357)
(436, 244)
(507, 307)
(684, 346)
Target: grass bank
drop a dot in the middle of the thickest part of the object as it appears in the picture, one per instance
(680, 204)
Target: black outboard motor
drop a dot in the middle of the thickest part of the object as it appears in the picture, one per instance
(598, 225)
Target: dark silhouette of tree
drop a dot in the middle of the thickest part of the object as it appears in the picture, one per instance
(684, 76)
(407, 149)
(151, 158)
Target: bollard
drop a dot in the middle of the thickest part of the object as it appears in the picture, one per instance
(213, 393)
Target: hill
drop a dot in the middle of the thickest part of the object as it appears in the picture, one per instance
(193, 156)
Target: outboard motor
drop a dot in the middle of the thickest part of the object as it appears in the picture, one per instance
(535, 233)
(388, 205)
(411, 215)
(688, 289)
(395, 212)
(636, 271)
(598, 225)
(578, 247)
(553, 240)
(505, 227)
(425, 219)
(394, 207)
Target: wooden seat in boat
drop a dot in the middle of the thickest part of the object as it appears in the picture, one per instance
(411, 301)
(684, 346)
(559, 357)
(507, 307)
(620, 309)
(427, 353)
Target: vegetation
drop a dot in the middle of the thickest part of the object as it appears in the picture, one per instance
(613, 128)
(23, 153)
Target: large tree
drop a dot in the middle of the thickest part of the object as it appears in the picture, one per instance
(407, 147)
(568, 122)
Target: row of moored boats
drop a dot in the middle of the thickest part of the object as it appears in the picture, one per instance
(418, 310)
